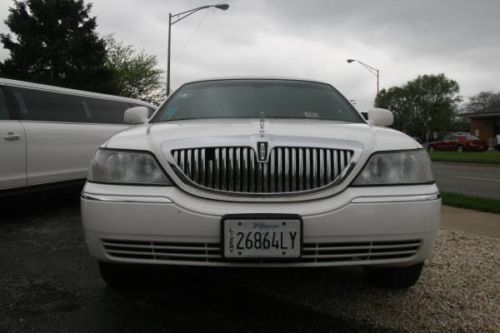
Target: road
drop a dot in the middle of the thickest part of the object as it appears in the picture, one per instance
(49, 283)
(470, 179)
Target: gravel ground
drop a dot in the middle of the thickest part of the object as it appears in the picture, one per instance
(48, 283)
(459, 291)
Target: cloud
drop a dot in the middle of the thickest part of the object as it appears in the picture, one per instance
(312, 39)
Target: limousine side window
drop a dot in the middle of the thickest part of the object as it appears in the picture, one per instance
(49, 106)
(4, 112)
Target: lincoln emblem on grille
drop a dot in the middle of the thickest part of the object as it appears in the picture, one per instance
(262, 147)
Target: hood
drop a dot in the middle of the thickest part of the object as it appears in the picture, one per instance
(151, 136)
(163, 138)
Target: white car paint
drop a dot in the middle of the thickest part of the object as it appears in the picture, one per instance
(62, 151)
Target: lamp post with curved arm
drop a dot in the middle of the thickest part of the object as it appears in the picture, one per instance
(371, 69)
(173, 19)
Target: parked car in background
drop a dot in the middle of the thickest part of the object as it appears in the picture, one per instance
(48, 134)
(261, 173)
(458, 142)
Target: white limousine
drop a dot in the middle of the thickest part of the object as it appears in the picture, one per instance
(49, 134)
(261, 173)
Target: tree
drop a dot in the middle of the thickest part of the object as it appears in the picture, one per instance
(55, 43)
(421, 106)
(135, 74)
(481, 102)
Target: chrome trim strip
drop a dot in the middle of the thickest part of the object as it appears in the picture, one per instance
(125, 198)
(396, 198)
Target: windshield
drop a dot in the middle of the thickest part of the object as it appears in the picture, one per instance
(249, 98)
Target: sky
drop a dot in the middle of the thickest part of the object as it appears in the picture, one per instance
(312, 39)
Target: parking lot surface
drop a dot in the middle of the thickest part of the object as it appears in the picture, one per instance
(49, 283)
(469, 179)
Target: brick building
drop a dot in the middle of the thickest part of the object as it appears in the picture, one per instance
(485, 124)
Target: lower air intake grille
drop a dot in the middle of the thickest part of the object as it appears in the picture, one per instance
(311, 252)
(162, 250)
(359, 251)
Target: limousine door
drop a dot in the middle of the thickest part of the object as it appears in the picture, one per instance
(63, 132)
(12, 149)
(59, 152)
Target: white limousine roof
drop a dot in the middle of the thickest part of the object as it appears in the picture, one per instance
(229, 78)
(44, 87)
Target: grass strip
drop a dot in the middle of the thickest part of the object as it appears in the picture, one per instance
(471, 202)
(487, 157)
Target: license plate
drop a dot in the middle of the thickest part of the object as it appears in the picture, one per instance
(262, 238)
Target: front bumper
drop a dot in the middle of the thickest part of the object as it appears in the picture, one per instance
(392, 225)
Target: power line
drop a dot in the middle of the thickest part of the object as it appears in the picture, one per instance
(176, 56)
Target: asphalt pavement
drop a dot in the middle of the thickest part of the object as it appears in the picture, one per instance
(482, 180)
(49, 283)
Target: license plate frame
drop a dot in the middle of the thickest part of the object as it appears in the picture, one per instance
(294, 218)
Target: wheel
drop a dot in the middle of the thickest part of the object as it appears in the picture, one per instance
(430, 148)
(123, 277)
(460, 148)
(394, 277)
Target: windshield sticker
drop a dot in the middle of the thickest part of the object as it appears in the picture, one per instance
(171, 112)
(311, 115)
(187, 94)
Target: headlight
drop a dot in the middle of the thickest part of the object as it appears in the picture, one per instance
(396, 168)
(125, 167)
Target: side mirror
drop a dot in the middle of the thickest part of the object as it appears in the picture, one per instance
(380, 117)
(136, 115)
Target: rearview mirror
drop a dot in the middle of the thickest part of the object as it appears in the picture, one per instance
(380, 117)
(136, 115)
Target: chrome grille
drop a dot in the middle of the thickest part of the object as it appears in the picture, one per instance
(337, 252)
(237, 169)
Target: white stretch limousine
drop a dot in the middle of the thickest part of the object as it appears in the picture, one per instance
(261, 173)
(49, 134)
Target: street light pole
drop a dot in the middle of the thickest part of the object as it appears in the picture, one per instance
(173, 19)
(168, 53)
(371, 69)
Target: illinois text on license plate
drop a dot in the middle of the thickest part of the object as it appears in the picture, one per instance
(262, 238)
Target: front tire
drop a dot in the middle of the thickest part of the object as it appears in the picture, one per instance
(394, 277)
